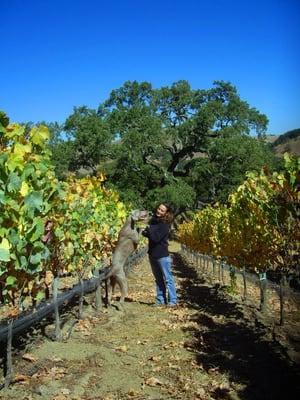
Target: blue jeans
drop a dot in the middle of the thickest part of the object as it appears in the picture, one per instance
(165, 285)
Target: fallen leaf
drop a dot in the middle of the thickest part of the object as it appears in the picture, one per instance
(60, 397)
(172, 344)
(122, 349)
(55, 359)
(132, 392)
(153, 381)
(155, 358)
(200, 392)
(13, 312)
(57, 372)
(21, 378)
(146, 341)
(173, 366)
(29, 357)
(108, 397)
(156, 369)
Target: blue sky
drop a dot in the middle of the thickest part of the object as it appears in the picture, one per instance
(58, 54)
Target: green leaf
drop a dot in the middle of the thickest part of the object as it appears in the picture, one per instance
(4, 250)
(24, 262)
(34, 201)
(11, 280)
(13, 237)
(40, 296)
(3, 159)
(14, 182)
(4, 254)
(35, 258)
(59, 233)
(37, 231)
(28, 170)
(2, 197)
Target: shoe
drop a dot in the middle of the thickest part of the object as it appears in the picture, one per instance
(157, 305)
(173, 305)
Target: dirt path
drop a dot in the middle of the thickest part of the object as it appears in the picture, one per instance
(208, 348)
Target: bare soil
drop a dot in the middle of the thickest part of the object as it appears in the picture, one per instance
(211, 347)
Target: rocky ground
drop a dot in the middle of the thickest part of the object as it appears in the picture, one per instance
(210, 347)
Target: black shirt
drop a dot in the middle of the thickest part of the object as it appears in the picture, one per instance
(157, 233)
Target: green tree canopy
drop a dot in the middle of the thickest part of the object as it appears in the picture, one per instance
(163, 131)
(174, 143)
(225, 164)
(91, 138)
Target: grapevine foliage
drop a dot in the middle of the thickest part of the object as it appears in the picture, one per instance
(259, 226)
(47, 227)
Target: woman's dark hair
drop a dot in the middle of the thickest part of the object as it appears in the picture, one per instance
(169, 217)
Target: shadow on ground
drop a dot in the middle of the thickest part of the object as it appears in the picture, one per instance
(228, 341)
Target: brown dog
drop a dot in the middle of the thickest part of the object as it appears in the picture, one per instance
(128, 240)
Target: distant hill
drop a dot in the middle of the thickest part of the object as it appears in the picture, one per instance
(287, 142)
(271, 138)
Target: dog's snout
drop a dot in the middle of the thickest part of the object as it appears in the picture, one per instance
(146, 214)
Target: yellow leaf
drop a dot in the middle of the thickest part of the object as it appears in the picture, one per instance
(14, 161)
(22, 149)
(39, 134)
(24, 189)
(14, 130)
(5, 244)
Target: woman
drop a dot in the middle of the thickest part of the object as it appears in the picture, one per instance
(158, 233)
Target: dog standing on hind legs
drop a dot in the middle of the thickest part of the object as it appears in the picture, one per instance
(127, 243)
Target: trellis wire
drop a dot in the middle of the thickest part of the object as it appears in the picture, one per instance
(260, 280)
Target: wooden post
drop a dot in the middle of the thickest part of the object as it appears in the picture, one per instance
(9, 368)
(214, 267)
(222, 272)
(232, 278)
(283, 283)
(80, 311)
(98, 296)
(263, 291)
(55, 286)
(245, 284)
